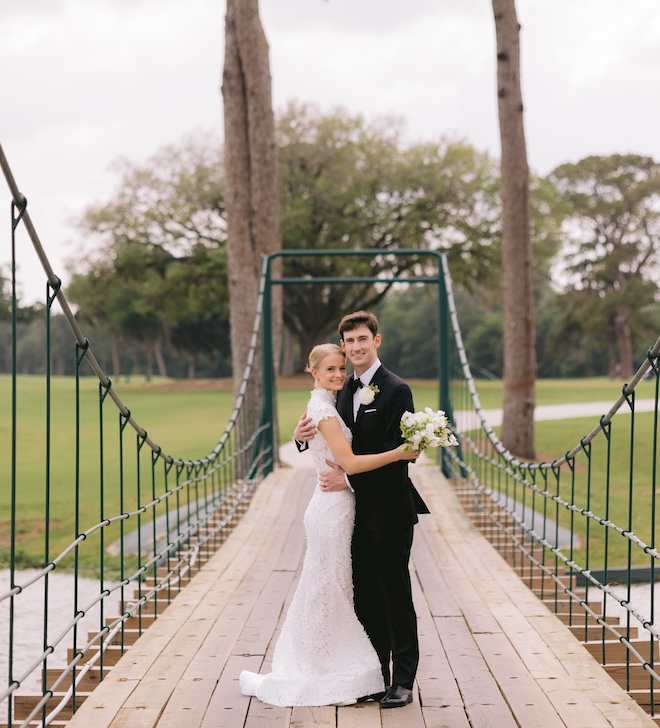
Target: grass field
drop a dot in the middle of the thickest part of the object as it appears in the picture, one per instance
(187, 418)
(609, 483)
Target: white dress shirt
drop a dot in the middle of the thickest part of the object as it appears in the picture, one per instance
(365, 378)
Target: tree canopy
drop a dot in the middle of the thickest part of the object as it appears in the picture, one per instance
(612, 230)
(157, 270)
(154, 267)
(349, 185)
(344, 184)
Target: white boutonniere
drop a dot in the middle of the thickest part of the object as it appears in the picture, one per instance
(368, 394)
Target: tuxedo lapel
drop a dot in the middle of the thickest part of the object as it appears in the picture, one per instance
(345, 405)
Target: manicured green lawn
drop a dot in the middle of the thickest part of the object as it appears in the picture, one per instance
(188, 424)
(606, 480)
(611, 483)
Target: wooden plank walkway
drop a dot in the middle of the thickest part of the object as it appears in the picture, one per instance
(492, 654)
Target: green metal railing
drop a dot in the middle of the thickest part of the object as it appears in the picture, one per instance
(142, 520)
(580, 528)
(436, 279)
(571, 525)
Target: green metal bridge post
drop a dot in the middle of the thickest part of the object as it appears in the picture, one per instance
(268, 407)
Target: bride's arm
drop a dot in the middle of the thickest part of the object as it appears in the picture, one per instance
(348, 460)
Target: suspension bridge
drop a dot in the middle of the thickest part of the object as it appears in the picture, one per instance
(527, 604)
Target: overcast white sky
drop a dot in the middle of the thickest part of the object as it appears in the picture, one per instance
(83, 82)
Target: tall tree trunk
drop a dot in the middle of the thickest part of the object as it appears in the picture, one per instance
(160, 359)
(251, 172)
(624, 341)
(149, 356)
(252, 198)
(613, 365)
(287, 366)
(114, 355)
(517, 278)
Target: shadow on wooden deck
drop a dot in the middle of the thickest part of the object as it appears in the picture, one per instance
(491, 653)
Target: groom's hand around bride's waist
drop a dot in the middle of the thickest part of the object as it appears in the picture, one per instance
(332, 480)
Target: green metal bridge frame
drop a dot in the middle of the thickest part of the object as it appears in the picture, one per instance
(268, 411)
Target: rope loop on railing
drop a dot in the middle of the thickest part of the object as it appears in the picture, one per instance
(104, 389)
(124, 419)
(605, 425)
(55, 288)
(629, 396)
(21, 206)
(570, 461)
(82, 350)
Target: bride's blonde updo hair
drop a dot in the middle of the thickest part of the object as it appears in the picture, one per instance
(319, 353)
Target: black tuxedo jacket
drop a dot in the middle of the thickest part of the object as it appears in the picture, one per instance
(384, 498)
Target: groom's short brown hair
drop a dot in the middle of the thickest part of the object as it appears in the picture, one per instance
(359, 318)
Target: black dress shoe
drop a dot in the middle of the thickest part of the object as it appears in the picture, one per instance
(375, 697)
(396, 697)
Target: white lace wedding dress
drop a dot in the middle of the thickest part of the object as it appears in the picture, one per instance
(323, 655)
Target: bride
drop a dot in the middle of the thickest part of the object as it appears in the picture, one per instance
(323, 655)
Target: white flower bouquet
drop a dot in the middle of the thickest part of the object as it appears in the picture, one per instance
(426, 428)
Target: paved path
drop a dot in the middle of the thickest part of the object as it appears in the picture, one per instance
(561, 411)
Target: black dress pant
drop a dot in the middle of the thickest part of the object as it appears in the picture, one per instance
(383, 599)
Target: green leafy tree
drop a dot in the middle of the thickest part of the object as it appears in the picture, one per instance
(194, 308)
(411, 350)
(349, 185)
(5, 295)
(149, 239)
(99, 295)
(344, 184)
(612, 246)
(174, 201)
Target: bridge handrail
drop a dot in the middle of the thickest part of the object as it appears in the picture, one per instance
(249, 459)
(628, 391)
(497, 485)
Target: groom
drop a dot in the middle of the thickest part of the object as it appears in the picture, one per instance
(386, 506)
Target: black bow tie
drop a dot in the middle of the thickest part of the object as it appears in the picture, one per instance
(354, 383)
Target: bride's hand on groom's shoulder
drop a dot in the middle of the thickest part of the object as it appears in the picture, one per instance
(305, 429)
